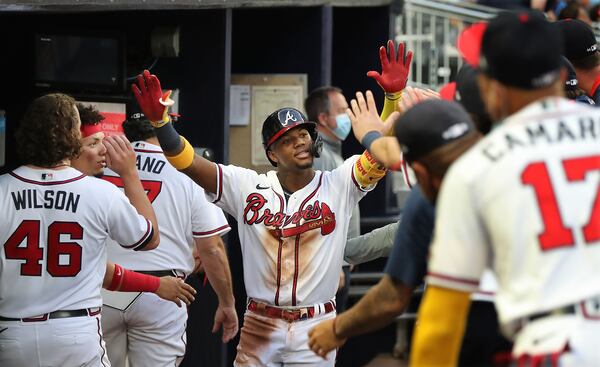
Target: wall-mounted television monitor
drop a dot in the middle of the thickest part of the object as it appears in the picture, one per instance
(72, 63)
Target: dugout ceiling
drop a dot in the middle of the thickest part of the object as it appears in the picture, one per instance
(111, 5)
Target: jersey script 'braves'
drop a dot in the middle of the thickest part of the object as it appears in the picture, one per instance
(525, 201)
(292, 249)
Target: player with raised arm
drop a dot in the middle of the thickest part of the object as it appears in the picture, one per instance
(52, 254)
(292, 225)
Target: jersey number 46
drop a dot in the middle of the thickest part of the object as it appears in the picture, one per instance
(556, 234)
(33, 253)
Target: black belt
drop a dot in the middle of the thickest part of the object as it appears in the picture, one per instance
(158, 273)
(566, 310)
(57, 315)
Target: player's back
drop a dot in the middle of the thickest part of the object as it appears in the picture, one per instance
(535, 182)
(175, 199)
(55, 224)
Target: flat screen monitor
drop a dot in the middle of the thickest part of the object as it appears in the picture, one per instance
(80, 62)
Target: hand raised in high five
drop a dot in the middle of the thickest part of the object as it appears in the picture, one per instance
(151, 99)
(365, 120)
(411, 96)
(364, 116)
(394, 70)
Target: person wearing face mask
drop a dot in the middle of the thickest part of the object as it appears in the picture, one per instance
(327, 107)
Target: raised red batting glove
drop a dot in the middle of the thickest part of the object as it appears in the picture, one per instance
(151, 99)
(394, 72)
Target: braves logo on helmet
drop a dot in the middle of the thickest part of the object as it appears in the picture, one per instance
(287, 115)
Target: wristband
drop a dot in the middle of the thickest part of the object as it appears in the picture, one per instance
(138, 282)
(393, 96)
(129, 281)
(168, 138)
(369, 138)
(115, 283)
(184, 158)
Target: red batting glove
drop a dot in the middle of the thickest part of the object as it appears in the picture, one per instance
(151, 99)
(394, 72)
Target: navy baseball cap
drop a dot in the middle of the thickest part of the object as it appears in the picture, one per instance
(430, 125)
(579, 39)
(521, 50)
(571, 82)
(467, 90)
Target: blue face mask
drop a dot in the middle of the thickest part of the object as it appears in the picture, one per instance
(343, 126)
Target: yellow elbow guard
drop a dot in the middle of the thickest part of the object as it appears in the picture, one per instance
(184, 158)
(367, 170)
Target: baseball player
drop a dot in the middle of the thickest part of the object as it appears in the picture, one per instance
(523, 201)
(407, 264)
(151, 332)
(91, 160)
(52, 259)
(292, 226)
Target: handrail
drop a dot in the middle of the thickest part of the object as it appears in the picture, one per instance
(430, 29)
(475, 11)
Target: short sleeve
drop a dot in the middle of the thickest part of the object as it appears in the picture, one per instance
(460, 250)
(128, 228)
(408, 260)
(232, 182)
(207, 219)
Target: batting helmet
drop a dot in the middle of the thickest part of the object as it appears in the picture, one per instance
(283, 120)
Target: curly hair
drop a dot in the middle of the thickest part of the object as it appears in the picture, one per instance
(89, 115)
(49, 131)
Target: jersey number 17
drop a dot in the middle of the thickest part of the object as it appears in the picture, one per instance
(556, 234)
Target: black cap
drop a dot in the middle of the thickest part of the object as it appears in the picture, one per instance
(521, 50)
(467, 90)
(430, 125)
(571, 82)
(579, 40)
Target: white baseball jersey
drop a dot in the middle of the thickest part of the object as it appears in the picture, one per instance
(292, 249)
(53, 231)
(182, 210)
(525, 201)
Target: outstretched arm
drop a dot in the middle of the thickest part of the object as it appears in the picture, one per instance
(369, 128)
(155, 105)
(370, 246)
(214, 259)
(379, 306)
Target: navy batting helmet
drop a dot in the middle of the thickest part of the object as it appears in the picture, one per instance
(283, 120)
